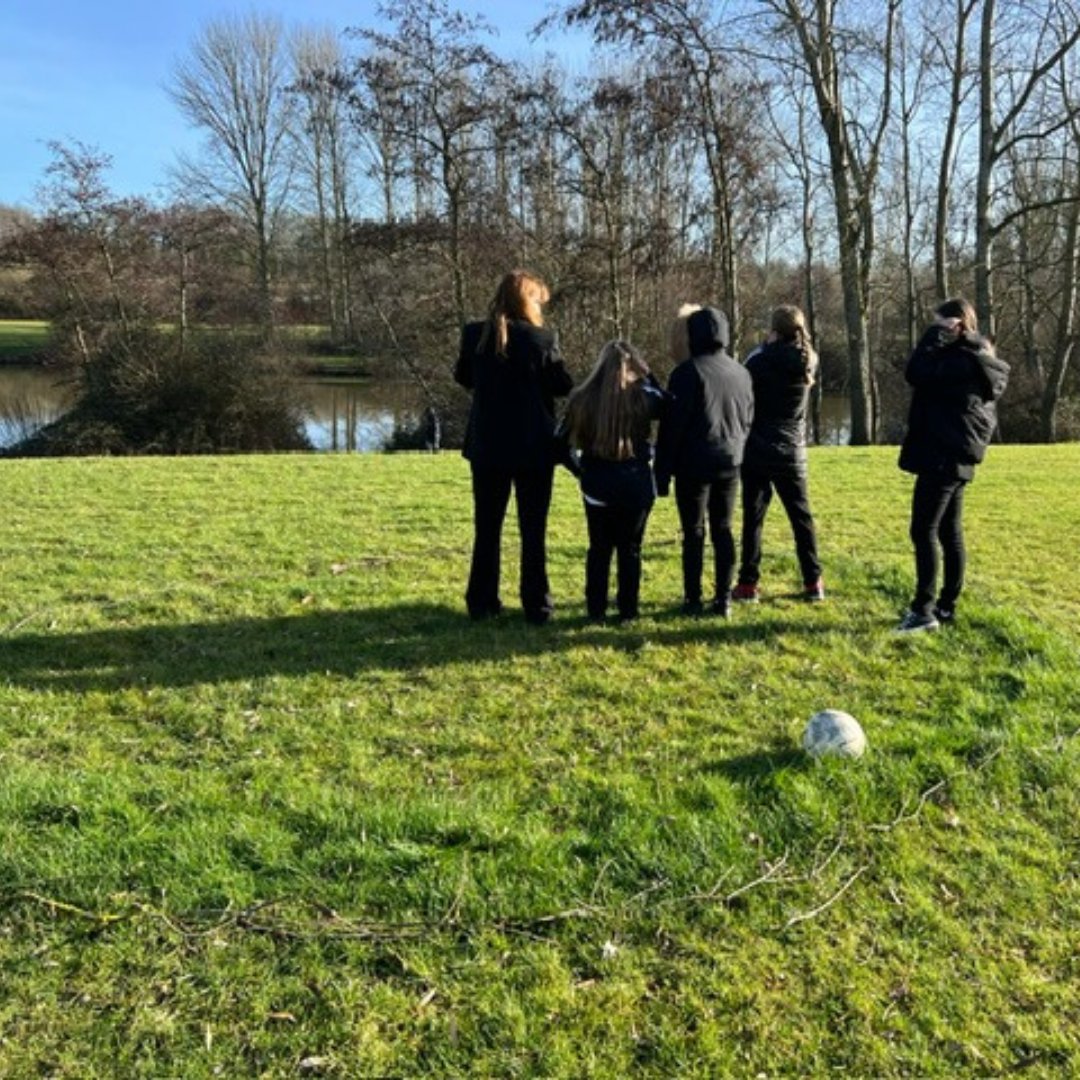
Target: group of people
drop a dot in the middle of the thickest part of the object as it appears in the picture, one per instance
(720, 425)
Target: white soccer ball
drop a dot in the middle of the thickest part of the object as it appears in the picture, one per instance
(835, 733)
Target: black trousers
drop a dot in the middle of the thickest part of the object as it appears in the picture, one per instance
(937, 506)
(757, 493)
(619, 530)
(699, 501)
(491, 496)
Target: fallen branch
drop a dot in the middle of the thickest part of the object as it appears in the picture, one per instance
(815, 912)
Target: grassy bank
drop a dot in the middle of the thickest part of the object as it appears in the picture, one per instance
(270, 805)
(22, 340)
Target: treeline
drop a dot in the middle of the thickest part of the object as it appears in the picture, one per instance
(862, 160)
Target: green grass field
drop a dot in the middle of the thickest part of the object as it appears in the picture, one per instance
(21, 339)
(270, 805)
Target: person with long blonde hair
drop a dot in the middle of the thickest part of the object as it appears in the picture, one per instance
(511, 363)
(783, 370)
(604, 438)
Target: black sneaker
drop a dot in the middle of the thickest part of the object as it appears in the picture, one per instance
(945, 615)
(693, 607)
(914, 622)
(721, 608)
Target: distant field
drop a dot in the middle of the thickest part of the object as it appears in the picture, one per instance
(20, 339)
(270, 805)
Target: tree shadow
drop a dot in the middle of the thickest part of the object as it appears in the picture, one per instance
(408, 637)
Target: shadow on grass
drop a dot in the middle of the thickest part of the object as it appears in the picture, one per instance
(410, 637)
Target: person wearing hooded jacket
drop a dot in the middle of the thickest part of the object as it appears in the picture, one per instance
(956, 378)
(783, 369)
(700, 444)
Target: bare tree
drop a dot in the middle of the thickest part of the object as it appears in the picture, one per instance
(840, 61)
(232, 87)
(1002, 117)
(426, 86)
(323, 90)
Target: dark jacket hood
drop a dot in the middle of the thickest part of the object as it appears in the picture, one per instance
(708, 331)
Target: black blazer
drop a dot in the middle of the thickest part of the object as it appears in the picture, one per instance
(512, 417)
(956, 381)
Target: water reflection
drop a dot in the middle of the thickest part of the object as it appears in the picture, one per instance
(343, 415)
(354, 415)
(30, 398)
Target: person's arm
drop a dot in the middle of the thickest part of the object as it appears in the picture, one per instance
(464, 374)
(993, 374)
(924, 364)
(564, 454)
(559, 382)
(673, 425)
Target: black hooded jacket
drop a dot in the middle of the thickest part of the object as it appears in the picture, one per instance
(704, 427)
(512, 417)
(777, 441)
(956, 381)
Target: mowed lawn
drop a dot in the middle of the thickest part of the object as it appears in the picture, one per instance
(22, 339)
(270, 805)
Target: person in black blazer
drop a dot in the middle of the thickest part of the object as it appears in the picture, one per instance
(956, 379)
(700, 443)
(782, 369)
(604, 441)
(512, 365)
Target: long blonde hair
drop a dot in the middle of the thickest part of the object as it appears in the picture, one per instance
(789, 324)
(520, 295)
(606, 410)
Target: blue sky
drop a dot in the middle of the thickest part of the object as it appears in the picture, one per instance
(95, 72)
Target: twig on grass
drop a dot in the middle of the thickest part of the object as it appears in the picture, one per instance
(814, 912)
(16, 626)
(901, 818)
(104, 919)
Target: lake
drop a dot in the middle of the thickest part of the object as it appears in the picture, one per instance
(343, 415)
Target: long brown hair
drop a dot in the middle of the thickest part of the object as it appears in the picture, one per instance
(519, 296)
(607, 408)
(962, 310)
(789, 324)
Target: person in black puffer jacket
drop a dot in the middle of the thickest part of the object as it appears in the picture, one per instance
(783, 370)
(604, 440)
(956, 379)
(512, 365)
(700, 443)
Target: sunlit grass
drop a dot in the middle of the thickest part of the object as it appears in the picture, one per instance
(269, 803)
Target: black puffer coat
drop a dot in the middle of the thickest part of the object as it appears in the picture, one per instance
(512, 418)
(704, 426)
(956, 381)
(777, 442)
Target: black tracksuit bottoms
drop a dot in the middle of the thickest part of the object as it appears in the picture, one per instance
(618, 530)
(712, 500)
(491, 496)
(937, 506)
(757, 491)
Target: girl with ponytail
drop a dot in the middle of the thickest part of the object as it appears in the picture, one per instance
(511, 363)
(783, 370)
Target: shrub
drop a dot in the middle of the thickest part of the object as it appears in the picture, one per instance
(153, 392)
